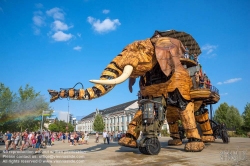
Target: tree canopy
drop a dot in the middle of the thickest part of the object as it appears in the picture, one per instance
(98, 124)
(61, 126)
(21, 111)
(246, 116)
(228, 115)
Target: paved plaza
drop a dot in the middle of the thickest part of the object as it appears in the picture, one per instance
(237, 152)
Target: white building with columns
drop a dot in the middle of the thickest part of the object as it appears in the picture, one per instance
(116, 118)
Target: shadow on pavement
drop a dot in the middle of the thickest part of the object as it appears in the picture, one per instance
(98, 147)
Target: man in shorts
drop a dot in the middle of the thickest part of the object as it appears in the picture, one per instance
(8, 140)
(24, 140)
(38, 141)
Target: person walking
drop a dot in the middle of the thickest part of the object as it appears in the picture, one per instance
(38, 141)
(104, 135)
(86, 138)
(96, 137)
(8, 140)
(111, 137)
(63, 137)
(16, 141)
(119, 135)
(24, 140)
(108, 137)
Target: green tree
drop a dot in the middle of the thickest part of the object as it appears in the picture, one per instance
(228, 115)
(21, 111)
(233, 118)
(53, 127)
(220, 113)
(98, 124)
(31, 104)
(246, 116)
(28, 93)
(7, 98)
(61, 126)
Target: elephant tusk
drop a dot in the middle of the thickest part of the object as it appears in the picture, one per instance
(128, 69)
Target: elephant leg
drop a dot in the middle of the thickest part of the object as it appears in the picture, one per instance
(207, 132)
(172, 118)
(188, 120)
(133, 132)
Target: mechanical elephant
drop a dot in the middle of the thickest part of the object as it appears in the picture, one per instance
(156, 61)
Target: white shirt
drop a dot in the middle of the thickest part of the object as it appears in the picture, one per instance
(29, 136)
(86, 137)
(104, 134)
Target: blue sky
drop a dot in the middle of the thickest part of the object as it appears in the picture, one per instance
(55, 44)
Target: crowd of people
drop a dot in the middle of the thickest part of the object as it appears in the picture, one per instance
(111, 136)
(202, 81)
(25, 140)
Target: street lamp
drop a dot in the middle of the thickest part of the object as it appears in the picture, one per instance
(44, 113)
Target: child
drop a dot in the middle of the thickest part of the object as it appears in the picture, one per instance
(33, 140)
(63, 137)
(52, 139)
(86, 138)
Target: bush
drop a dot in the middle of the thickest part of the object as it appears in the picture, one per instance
(231, 134)
(164, 133)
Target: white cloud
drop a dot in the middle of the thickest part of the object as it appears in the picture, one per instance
(36, 31)
(58, 25)
(39, 5)
(79, 35)
(1, 9)
(224, 94)
(208, 48)
(56, 13)
(232, 80)
(38, 20)
(104, 26)
(77, 48)
(61, 36)
(105, 11)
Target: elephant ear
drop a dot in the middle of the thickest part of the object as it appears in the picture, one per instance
(163, 55)
(168, 53)
(131, 83)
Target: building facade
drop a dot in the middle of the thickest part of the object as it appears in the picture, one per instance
(116, 118)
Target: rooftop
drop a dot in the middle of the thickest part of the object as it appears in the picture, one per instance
(111, 109)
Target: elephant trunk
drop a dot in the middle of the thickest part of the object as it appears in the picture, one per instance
(111, 76)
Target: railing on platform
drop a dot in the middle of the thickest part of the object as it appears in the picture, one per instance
(214, 89)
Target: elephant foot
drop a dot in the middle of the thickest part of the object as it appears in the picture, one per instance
(194, 146)
(174, 142)
(207, 138)
(128, 142)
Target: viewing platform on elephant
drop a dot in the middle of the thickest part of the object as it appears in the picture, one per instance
(188, 62)
(208, 95)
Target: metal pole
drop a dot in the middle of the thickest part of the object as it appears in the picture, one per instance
(42, 122)
(68, 113)
(211, 112)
